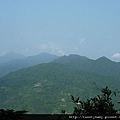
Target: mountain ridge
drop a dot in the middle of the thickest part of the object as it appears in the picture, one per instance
(46, 88)
(10, 56)
(49, 83)
(16, 64)
(100, 66)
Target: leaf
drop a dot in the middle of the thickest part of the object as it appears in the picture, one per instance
(72, 97)
(77, 100)
(115, 94)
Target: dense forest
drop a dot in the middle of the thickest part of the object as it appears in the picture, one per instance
(101, 107)
(47, 88)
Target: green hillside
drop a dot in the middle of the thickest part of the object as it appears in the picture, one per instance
(102, 66)
(17, 64)
(46, 88)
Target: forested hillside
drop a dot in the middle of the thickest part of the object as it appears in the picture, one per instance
(102, 66)
(46, 88)
(16, 64)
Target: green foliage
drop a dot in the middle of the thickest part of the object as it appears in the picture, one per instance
(54, 80)
(45, 88)
(102, 66)
(99, 105)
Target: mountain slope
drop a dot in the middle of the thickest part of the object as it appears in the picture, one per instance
(46, 88)
(10, 56)
(16, 64)
(102, 66)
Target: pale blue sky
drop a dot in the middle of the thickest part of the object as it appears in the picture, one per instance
(86, 27)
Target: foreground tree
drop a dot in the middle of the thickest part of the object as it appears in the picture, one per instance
(99, 105)
(11, 114)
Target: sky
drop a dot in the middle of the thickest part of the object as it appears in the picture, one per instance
(89, 28)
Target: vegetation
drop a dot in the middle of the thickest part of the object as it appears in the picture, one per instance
(46, 88)
(99, 105)
(13, 61)
(11, 114)
(102, 66)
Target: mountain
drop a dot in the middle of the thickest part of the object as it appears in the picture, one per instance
(102, 66)
(16, 64)
(10, 56)
(46, 88)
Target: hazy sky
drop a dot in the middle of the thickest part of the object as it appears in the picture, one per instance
(86, 27)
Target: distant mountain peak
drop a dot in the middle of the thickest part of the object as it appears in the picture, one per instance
(13, 54)
(76, 55)
(10, 56)
(46, 53)
(103, 58)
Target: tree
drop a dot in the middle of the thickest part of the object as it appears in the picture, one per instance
(99, 105)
